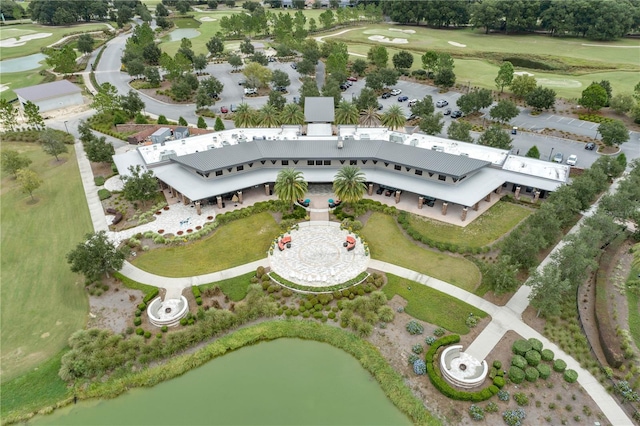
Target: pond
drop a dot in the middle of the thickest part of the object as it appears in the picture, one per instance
(286, 381)
(179, 34)
(24, 63)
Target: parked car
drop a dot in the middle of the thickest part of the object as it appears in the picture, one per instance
(403, 98)
(456, 114)
(572, 160)
(280, 89)
(352, 78)
(234, 108)
(250, 91)
(411, 117)
(447, 111)
(272, 58)
(242, 82)
(348, 83)
(558, 158)
(294, 65)
(386, 95)
(224, 109)
(590, 146)
(343, 87)
(442, 103)
(412, 102)
(379, 107)
(396, 92)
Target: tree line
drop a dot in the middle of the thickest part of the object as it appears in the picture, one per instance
(66, 12)
(593, 19)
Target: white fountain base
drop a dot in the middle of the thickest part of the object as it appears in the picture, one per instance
(461, 369)
(167, 312)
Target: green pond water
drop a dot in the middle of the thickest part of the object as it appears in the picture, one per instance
(283, 382)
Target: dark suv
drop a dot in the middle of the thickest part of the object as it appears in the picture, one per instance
(590, 146)
(386, 95)
(456, 114)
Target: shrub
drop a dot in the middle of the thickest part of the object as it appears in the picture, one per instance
(521, 347)
(142, 306)
(476, 413)
(503, 395)
(139, 331)
(544, 370)
(516, 374)
(559, 365)
(547, 355)
(104, 194)
(471, 320)
(497, 365)
(414, 327)
(429, 340)
(519, 361)
(413, 358)
(622, 388)
(98, 180)
(419, 367)
(499, 381)
(162, 120)
(417, 349)
(491, 407)
(147, 334)
(514, 417)
(439, 332)
(521, 399)
(137, 321)
(138, 312)
(164, 328)
(533, 357)
(535, 344)
(531, 374)
(570, 376)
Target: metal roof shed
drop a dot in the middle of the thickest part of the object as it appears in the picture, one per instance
(51, 96)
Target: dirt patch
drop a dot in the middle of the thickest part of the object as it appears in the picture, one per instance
(114, 309)
(101, 169)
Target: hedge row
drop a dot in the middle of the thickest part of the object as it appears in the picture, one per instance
(150, 296)
(286, 283)
(443, 386)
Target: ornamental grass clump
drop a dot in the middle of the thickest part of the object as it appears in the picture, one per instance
(419, 367)
(521, 399)
(417, 349)
(476, 413)
(503, 395)
(414, 328)
(514, 417)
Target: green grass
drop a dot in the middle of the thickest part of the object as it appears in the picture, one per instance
(491, 225)
(236, 288)
(16, 80)
(34, 390)
(43, 302)
(633, 302)
(239, 242)
(387, 243)
(34, 46)
(432, 306)
(135, 285)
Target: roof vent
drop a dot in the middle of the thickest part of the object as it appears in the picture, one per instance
(340, 143)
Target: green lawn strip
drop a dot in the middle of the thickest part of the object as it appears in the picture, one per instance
(388, 244)
(633, 302)
(236, 288)
(34, 46)
(389, 380)
(432, 306)
(34, 390)
(43, 302)
(17, 80)
(491, 225)
(135, 285)
(236, 243)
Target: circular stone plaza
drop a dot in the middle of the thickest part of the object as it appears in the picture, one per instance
(318, 254)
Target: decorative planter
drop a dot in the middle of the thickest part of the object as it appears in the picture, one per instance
(160, 231)
(158, 212)
(179, 232)
(209, 217)
(189, 230)
(166, 208)
(198, 228)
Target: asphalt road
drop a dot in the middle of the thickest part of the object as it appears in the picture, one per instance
(233, 94)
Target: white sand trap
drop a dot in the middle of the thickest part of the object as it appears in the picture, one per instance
(3, 87)
(15, 42)
(403, 31)
(383, 39)
(208, 19)
(456, 44)
(559, 82)
(606, 45)
(523, 73)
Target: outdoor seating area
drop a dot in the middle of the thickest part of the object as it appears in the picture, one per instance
(350, 244)
(304, 203)
(333, 204)
(386, 190)
(284, 242)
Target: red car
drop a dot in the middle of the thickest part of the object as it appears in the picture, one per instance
(352, 78)
(224, 109)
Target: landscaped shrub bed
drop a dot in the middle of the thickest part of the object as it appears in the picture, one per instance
(104, 194)
(286, 283)
(31, 135)
(595, 118)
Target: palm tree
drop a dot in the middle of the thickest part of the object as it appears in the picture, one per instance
(370, 117)
(268, 116)
(245, 116)
(292, 114)
(290, 186)
(349, 184)
(347, 113)
(394, 118)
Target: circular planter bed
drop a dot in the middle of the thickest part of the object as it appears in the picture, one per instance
(179, 232)
(160, 231)
(166, 207)
(209, 217)
(198, 228)
(189, 230)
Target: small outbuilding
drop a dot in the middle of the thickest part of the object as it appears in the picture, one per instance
(51, 96)
(181, 132)
(161, 135)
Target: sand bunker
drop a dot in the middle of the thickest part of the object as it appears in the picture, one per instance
(21, 41)
(606, 45)
(207, 19)
(456, 44)
(383, 39)
(3, 87)
(523, 73)
(403, 31)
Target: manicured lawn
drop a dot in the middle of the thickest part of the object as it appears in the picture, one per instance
(388, 244)
(16, 80)
(633, 302)
(236, 288)
(43, 302)
(490, 226)
(432, 306)
(34, 390)
(207, 30)
(34, 46)
(239, 242)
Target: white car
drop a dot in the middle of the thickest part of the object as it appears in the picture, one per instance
(396, 92)
(412, 102)
(250, 91)
(572, 160)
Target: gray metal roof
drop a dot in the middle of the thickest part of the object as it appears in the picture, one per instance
(48, 90)
(161, 131)
(405, 155)
(319, 109)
